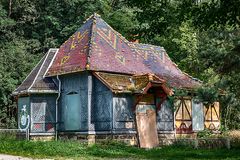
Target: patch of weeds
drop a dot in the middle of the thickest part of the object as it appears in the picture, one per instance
(7, 135)
(205, 133)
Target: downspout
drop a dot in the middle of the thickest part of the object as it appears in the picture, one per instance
(59, 93)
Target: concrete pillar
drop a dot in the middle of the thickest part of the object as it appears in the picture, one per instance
(91, 139)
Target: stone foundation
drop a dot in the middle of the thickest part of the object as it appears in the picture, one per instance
(42, 138)
(131, 139)
(166, 138)
(71, 136)
(128, 138)
(192, 135)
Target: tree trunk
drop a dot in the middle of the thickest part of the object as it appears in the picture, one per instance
(226, 117)
(9, 8)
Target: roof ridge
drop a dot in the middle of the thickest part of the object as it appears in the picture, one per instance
(115, 32)
(55, 54)
(94, 15)
(146, 44)
(92, 35)
(84, 22)
(40, 69)
(95, 18)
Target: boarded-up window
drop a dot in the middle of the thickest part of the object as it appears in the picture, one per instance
(43, 114)
(165, 116)
(123, 116)
(197, 116)
(101, 112)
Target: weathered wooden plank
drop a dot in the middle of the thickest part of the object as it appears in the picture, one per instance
(197, 116)
(165, 119)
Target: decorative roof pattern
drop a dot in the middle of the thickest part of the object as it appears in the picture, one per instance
(73, 53)
(35, 81)
(101, 48)
(111, 52)
(160, 64)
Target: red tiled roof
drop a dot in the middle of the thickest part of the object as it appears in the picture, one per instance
(98, 47)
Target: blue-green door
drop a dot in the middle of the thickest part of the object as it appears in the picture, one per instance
(72, 112)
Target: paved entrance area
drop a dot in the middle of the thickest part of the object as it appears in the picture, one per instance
(10, 157)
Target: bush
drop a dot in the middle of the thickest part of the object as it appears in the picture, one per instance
(235, 138)
(205, 134)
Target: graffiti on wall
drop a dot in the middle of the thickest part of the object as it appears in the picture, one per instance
(23, 110)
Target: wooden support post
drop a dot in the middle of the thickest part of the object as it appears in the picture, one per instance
(228, 143)
(196, 143)
(90, 86)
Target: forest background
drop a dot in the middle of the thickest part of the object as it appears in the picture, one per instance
(201, 36)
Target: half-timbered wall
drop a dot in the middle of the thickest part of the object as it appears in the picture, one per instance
(101, 112)
(122, 112)
(192, 116)
(212, 119)
(43, 113)
(183, 115)
(73, 106)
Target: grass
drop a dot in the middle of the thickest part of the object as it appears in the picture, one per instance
(107, 150)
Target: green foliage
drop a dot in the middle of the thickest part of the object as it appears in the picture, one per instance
(124, 20)
(181, 92)
(219, 49)
(187, 41)
(170, 99)
(207, 95)
(6, 120)
(17, 58)
(204, 134)
(230, 108)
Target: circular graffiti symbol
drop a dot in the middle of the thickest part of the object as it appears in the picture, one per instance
(23, 116)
